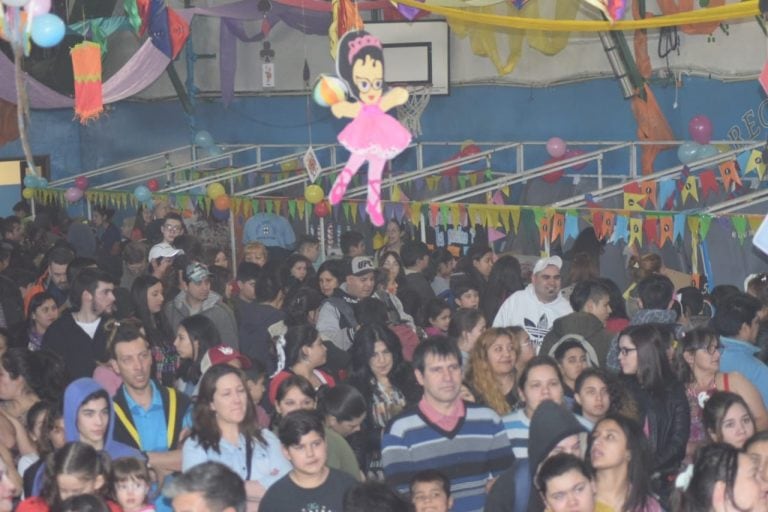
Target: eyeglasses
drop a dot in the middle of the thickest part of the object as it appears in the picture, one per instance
(626, 351)
(173, 228)
(711, 349)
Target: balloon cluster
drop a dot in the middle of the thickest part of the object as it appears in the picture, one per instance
(221, 201)
(31, 182)
(700, 130)
(21, 20)
(204, 140)
(314, 195)
(558, 150)
(74, 194)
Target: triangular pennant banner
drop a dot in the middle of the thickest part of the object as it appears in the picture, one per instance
(690, 189)
(651, 229)
(635, 231)
(740, 226)
(704, 223)
(606, 230)
(666, 189)
(571, 226)
(558, 225)
(620, 229)
(708, 182)
(666, 229)
(634, 201)
(729, 175)
(649, 190)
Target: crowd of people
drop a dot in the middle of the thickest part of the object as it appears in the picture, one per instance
(139, 371)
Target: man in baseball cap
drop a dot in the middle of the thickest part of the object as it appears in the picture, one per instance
(196, 297)
(336, 321)
(537, 306)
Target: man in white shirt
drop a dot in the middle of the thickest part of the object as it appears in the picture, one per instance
(536, 307)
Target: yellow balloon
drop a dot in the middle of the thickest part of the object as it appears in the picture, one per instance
(215, 190)
(27, 193)
(314, 194)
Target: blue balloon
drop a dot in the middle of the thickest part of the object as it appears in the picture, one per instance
(688, 152)
(47, 30)
(707, 151)
(42, 183)
(214, 150)
(203, 139)
(30, 181)
(142, 193)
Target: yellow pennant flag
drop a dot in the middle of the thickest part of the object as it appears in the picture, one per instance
(395, 196)
(635, 231)
(455, 215)
(504, 217)
(515, 215)
(755, 163)
(416, 213)
(690, 189)
(754, 222)
(633, 202)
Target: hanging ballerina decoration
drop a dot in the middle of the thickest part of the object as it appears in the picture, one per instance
(373, 136)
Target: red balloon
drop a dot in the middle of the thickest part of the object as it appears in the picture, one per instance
(81, 182)
(554, 176)
(322, 209)
(153, 185)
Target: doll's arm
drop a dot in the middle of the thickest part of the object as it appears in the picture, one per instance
(346, 109)
(393, 98)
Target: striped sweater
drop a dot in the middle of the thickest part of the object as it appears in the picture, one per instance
(477, 449)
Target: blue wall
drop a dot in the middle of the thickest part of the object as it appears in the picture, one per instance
(591, 110)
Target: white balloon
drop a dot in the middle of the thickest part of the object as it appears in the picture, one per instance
(15, 3)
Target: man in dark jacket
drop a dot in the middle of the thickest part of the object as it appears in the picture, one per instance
(78, 335)
(589, 301)
(415, 256)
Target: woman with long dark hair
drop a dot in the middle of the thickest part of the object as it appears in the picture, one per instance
(619, 454)
(41, 313)
(477, 263)
(194, 336)
(385, 380)
(147, 295)
(305, 352)
(697, 365)
(225, 430)
(504, 280)
(661, 399)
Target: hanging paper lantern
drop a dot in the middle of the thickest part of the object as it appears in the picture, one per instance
(215, 190)
(314, 194)
(27, 193)
(322, 209)
(222, 202)
(153, 185)
(81, 182)
(73, 194)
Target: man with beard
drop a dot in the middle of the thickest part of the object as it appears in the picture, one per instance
(78, 336)
(54, 279)
(536, 307)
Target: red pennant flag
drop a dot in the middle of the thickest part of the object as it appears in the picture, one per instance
(609, 221)
(650, 228)
(708, 182)
(633, 188)
(143, 8)
(667, 228)
(178, 29)
(597, 223)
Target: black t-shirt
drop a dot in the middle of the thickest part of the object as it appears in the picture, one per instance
(285, 496)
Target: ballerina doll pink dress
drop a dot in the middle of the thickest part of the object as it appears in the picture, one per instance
(374, 133)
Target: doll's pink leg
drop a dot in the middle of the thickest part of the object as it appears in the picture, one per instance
(344, 177)
(373, 206)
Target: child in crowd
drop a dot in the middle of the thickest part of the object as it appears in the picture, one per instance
(256, 379)
(431, 492)
(130, 484)
(466, 293)
(438, 315)
(77, 468)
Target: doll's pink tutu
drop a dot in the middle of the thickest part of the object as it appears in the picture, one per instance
(375, 133)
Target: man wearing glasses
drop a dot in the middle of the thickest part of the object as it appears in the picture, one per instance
(172, 227)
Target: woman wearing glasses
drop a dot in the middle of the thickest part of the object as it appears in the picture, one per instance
(660, 397)
(697, 365)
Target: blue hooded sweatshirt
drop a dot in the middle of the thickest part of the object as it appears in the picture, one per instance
(74, 396)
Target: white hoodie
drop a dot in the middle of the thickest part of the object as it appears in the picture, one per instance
(524, 308)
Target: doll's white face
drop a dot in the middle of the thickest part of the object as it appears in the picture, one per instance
(368, 76)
